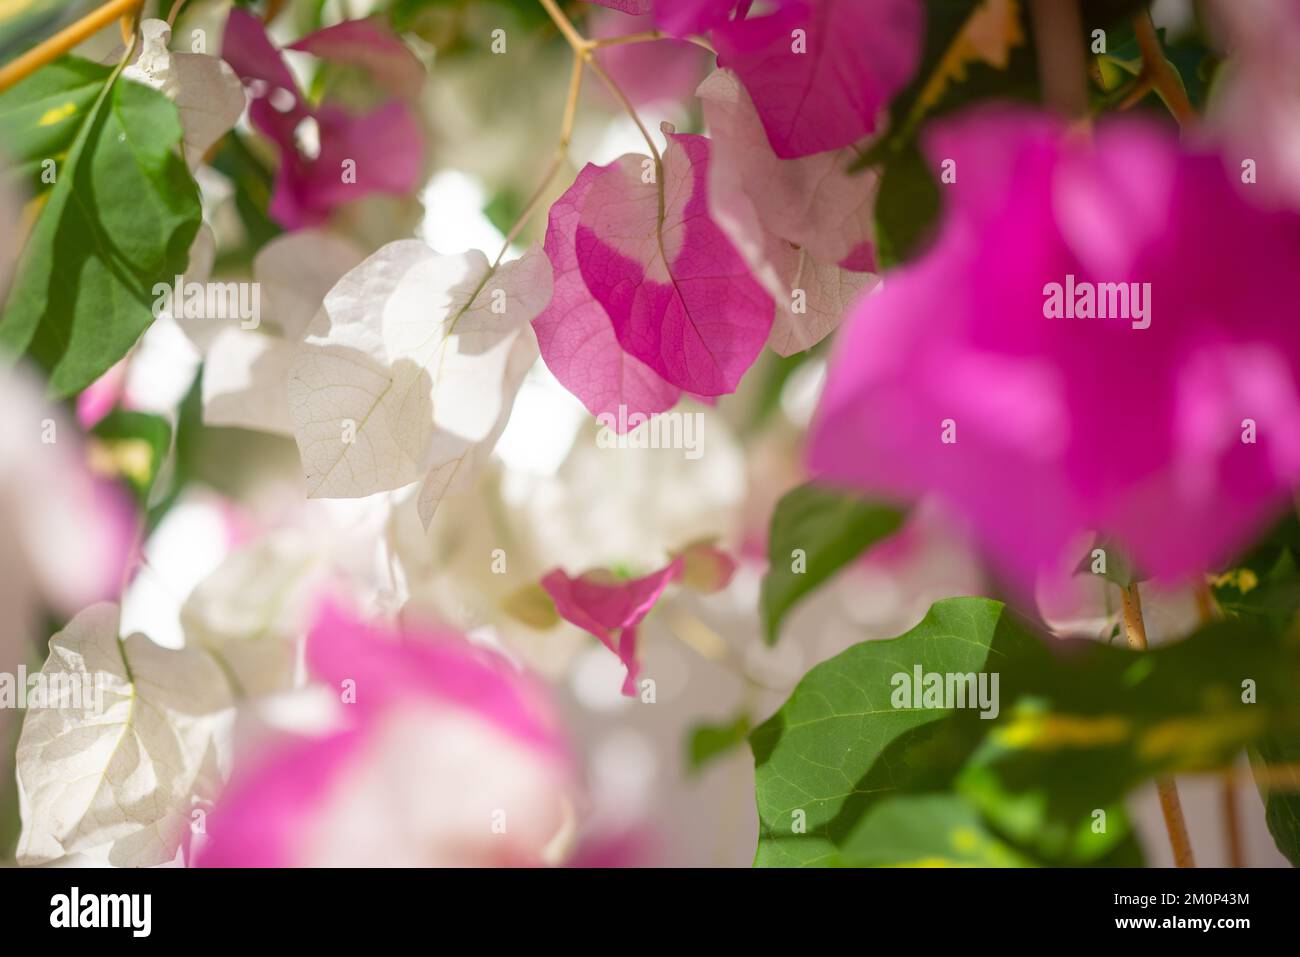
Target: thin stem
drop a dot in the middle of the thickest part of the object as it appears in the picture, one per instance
(1135, 93)
(1232, 822)
(647, 36)
(1063, 71)
(51, 49)
(1157, 69)
(1175, 823)
(631, 111)
(1209, 612)
(570, 32)
(583, 49)
(1135, 630)
(561, 153)
(174, 14)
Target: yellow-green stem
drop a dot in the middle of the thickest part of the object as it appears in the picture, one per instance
(1135, 630)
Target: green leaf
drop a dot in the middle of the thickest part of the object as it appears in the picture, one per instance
(1279, 759)
(710, 741)
(1191, 62)
(1078, 726)
(253, 184)
(817, 531)
(927, 830)
(135, 446)
(42, 123)
(961, 37)
(907, 206)
(119, 219)
(838, 743)
(1263, 586)
(24, 23)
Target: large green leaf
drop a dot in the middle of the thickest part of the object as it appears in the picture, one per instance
(40, 118)
(1078, 726)
(1262, 588)
(926, 830)
(1275, 761)
(907, 206)
(815, 532)
(119, 219)
(838, 744)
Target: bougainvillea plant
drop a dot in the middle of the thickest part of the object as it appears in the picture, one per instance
(468, 433)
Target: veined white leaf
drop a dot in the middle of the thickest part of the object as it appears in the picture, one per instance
(411, 366)
(124, 775)
(251, 610)
(246, 370)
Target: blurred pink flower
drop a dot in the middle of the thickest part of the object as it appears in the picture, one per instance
(1179, 439)
(367, 45)
(99, 398)
(1255, 104)
(446, 756)
(328, 156)
(65, 533)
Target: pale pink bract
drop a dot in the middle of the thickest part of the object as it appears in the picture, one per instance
(644, 309)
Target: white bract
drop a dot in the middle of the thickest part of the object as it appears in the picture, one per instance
(125, 776)
(246, 371)
(409, 371)
(206, 91)
(250, 612)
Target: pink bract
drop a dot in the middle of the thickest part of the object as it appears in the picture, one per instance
(858, 54)
(643, 310)
(1065, 426)
(575, 335)
(610, 609)
(677, 293)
